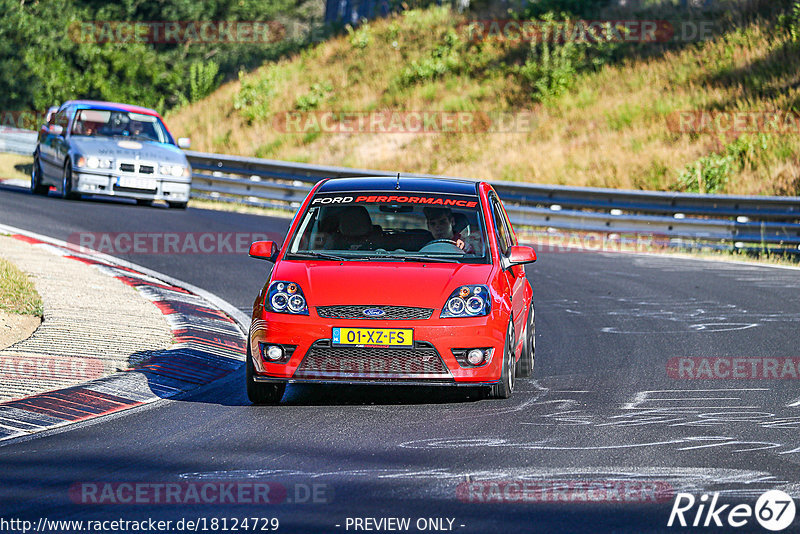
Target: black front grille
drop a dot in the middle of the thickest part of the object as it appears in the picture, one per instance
(127, 167)
(146, 169)
(324, 361)
(389, 312)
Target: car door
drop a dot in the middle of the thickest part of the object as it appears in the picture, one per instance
(61, 142)
(515, 274)
(48, 155)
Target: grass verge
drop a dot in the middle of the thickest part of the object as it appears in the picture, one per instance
(17, 293)
(15, 167)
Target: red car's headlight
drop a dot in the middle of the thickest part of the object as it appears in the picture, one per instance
(286, 297)
(468, 301)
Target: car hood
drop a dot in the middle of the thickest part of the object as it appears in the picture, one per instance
(127, 149)
(328, 283)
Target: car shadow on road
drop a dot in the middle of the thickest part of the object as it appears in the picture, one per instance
(346, 394)
(230, 390)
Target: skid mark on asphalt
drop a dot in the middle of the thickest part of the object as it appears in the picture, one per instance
(669, 316)
(674, 414)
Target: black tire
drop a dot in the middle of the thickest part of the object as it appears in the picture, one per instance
(504, 388)
(259, 392)
(36, 178)
(526, 361)
(66, 183)
(178, 205)
(144, 202)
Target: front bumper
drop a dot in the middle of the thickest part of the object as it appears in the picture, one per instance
(311, 336)
(105, 183)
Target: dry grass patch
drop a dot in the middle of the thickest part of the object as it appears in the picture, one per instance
(15, 167)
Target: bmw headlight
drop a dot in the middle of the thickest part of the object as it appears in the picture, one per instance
(468, 301)
(176, 171)
(93, 162)
(286, 297)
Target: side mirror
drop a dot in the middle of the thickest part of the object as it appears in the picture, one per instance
(518, 255)
(184, 142)
(264, 250)
(50, 112)
(57, 129)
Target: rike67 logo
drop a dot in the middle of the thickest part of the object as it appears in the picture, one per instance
(774, 510)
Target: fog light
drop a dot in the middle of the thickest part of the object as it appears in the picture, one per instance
(274, 353)
(475, 357)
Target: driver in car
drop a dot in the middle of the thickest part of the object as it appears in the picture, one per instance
(440, 224)
(135, 128)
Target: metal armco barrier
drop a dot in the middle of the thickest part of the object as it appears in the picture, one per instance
(714, 218)
(768, 220)
(17, 141)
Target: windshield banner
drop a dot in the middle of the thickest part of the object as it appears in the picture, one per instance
(365, 197)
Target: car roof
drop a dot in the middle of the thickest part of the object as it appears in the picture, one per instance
(113, 106)
(406, 185)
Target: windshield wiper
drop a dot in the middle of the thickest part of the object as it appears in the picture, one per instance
(322, 255)
(427, 259)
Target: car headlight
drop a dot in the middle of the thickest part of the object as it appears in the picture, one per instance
(286, 297)
(93, 162)
(176, 171)
(468, 301)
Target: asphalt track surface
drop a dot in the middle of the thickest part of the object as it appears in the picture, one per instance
(600, 407)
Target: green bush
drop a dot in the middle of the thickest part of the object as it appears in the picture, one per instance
(253, 99)
(710, 174)
(443, 59)
(203, 79)
(554, 64)
(314, 98)
(360, 37)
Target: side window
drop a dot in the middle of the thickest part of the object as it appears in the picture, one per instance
(62, 119)
(509, 230)
(501, 232)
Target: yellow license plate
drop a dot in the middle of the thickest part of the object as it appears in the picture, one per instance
(377, 337)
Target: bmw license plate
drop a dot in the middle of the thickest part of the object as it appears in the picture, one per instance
(133, 182)
(374, 337)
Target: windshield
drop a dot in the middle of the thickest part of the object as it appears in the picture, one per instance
(106, 123)
(392, 227)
